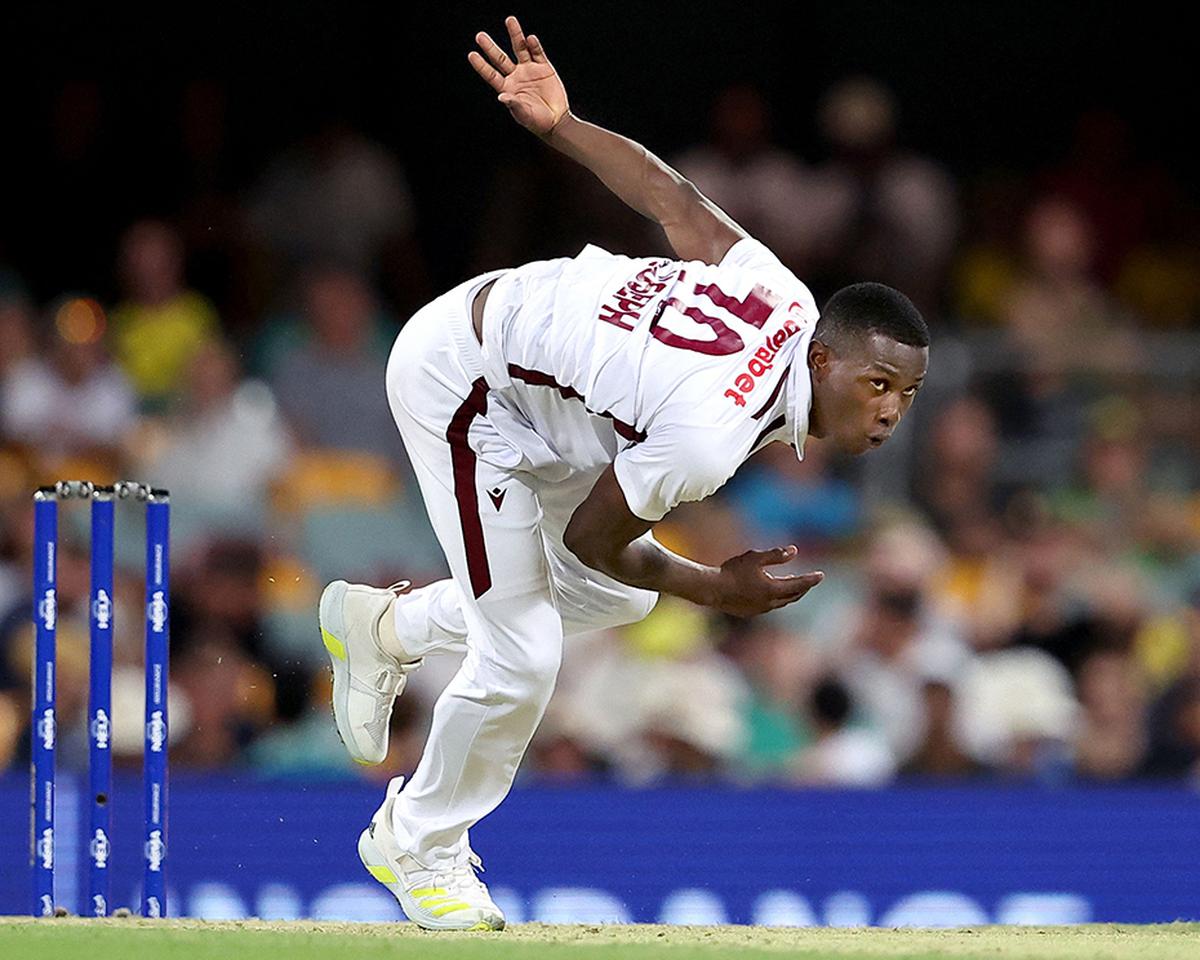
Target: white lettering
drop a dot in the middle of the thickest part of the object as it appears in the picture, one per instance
(156, 731)
(102, 609)
(156, 852)
(156, 611)
(99, 849)
(45, 850)
(46, 728)
(935, 908)
(101, 730)
(48, 609)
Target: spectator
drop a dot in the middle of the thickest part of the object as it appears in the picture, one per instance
(899, 638)
(17, 339)
(756, 181)
(1175, 725)
(842, 755)
(802, 501)
(224, 446)
(74, 402)
(1019, 714)
(941, 754)
(1111, 741)
(161, 324)
(884, 214)
(340, 356)
(780, 668)
(988, 262)
(955, 479)
(1058, 312)
(340, 198)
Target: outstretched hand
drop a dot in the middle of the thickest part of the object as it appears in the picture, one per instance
(746, 589)
(529, 86)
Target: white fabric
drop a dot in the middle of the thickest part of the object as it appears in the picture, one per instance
(485, 717)
(38, 406)
(569, 394)
(587, 323)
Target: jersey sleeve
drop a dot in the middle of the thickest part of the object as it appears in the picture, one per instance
(751, 254)
(674, 465)
(755, 256)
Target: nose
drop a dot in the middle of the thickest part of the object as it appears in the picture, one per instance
(889, 415)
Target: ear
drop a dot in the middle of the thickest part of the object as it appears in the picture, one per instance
(819, 357)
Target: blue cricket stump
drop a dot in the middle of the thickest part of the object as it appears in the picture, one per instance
(158, 600)
(100, 701)
(44, 721)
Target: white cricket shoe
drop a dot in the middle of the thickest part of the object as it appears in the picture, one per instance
(441, 898)
(366, 679)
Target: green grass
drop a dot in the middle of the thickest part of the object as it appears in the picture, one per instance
(135, 939)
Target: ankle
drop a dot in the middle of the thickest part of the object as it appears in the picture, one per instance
(386, 636)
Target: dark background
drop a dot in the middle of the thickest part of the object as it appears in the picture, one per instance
(982, 86)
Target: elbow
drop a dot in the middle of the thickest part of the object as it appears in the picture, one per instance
(581, 546)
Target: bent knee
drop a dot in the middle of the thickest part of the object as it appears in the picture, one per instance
(524, 676)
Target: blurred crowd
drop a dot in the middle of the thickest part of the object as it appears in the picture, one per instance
(1013, 583)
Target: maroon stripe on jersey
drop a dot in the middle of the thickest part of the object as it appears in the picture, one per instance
(769, 429)
(539, 379)
(762, 411)
(462, 459)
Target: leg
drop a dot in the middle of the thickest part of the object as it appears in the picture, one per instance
(586, 599)
(433, 617)
(483, 721)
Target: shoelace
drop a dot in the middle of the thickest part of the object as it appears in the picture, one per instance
(459, 878)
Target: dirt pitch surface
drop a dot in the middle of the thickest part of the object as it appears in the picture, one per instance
(135, 939)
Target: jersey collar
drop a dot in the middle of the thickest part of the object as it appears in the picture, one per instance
(799, 397)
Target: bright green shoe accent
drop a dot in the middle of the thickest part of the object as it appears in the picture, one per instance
(450, 908)
(333, 644)
(428, 892)
(481, 925)
(430, 902)
(382, 874)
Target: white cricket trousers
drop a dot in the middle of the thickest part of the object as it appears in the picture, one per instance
(515, 589)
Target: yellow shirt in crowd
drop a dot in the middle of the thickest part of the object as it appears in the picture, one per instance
(155, 344)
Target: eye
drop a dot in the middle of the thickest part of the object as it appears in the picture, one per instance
(911, 391)
(879, 384)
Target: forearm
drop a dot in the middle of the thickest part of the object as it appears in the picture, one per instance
(651, 566)
(695, 227)
(628, 169)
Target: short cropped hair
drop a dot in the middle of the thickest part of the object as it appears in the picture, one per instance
(857, 311)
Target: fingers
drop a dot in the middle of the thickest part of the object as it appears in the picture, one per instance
(536, 50)
(771, 558)
(787, 590)
(797, 586)
(517, 37)
(499, 59)
(489, 73)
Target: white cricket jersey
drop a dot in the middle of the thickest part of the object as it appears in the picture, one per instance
(673, 371)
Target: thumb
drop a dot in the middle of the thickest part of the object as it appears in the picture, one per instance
(506, 98)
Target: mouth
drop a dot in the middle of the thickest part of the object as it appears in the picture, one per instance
(877, 439)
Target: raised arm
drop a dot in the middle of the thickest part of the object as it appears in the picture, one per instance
(533, 92)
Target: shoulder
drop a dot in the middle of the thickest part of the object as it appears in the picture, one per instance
(756, 257)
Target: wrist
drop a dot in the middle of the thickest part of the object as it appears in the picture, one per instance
(710, 588)
(561, 126)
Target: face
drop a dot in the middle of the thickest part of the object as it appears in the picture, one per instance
(861, 393)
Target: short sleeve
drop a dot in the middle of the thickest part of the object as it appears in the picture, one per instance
(751, 254)
(673, 465)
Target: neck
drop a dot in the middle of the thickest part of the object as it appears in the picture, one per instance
(816, 425)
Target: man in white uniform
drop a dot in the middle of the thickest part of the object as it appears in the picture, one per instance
(553, 414)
